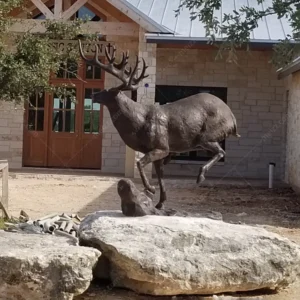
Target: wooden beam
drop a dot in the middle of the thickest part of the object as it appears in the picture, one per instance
(58, 9)
(101, 10)
(104, 28)
(114, 12)
(98, 13)
(73, 9)
(44, 9)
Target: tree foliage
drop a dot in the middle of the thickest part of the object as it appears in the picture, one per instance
(27, 60)
(238, 25)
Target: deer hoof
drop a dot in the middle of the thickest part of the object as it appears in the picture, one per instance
(159, 205)
(200, 178)
(151, 189)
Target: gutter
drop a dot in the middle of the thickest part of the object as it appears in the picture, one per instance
(291, 68)
(186, 40)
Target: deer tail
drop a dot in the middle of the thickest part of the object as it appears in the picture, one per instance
(235, 133)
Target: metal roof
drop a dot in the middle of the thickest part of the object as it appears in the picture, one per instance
(138, 16)
(271, 29)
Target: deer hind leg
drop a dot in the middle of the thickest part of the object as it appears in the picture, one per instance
(159, 168)
(215, 148)
(144, 161)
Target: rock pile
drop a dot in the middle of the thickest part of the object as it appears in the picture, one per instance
(57, 224)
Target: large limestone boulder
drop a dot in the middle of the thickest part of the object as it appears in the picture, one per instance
(171, 255)
(43, 267)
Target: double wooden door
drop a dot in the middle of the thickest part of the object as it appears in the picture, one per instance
(64, 133)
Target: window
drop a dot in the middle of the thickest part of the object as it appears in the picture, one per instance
(36, 112)
(82, 13)
(166, 94)
(92, 72)
(68, 70)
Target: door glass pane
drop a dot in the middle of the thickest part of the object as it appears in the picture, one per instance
(96, 120)
(89, 71)
(31, 119)
(87, 121)
(57, 124)
(69, 70)
(64, 112)
(41, 100)
(32, 101)
(72, 69)
(96, 106)
(40, 120)
(70, 121)
(92, 72)
(97, 73)
(57, 103)
(88, 93)
(91, 112)
(88, 104)
(69, 104)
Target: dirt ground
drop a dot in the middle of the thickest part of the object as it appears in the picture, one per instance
(249, 202)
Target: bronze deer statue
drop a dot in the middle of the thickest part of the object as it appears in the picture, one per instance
(197, 122)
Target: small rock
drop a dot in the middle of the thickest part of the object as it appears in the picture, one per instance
(243, 214)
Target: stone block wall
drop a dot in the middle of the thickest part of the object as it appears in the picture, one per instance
(11, 133)
(255, 96)
(292, 174)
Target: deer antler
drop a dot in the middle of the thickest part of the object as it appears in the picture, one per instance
(129, 78)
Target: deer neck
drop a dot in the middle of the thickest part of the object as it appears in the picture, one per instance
(129, 118)
(124, 111)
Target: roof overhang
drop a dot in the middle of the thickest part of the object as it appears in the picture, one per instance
(291, 68)
(139, 17)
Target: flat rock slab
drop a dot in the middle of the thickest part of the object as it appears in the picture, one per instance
(43, 267)
(165, 255)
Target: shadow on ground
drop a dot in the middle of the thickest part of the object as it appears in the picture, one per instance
(250, 203)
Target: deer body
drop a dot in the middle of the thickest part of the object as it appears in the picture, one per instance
(180, 126)
(197, 122)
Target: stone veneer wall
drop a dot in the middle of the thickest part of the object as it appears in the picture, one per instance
(11, 133)
(255, 96)
(292, 172)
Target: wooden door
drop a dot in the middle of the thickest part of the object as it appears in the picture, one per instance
(63, 133)
(35, 131)
(64, 140)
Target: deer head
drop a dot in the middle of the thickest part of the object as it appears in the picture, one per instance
(129, 77)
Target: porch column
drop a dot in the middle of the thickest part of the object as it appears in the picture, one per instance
(146, 95)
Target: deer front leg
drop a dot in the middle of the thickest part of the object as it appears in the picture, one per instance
(144, 161)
